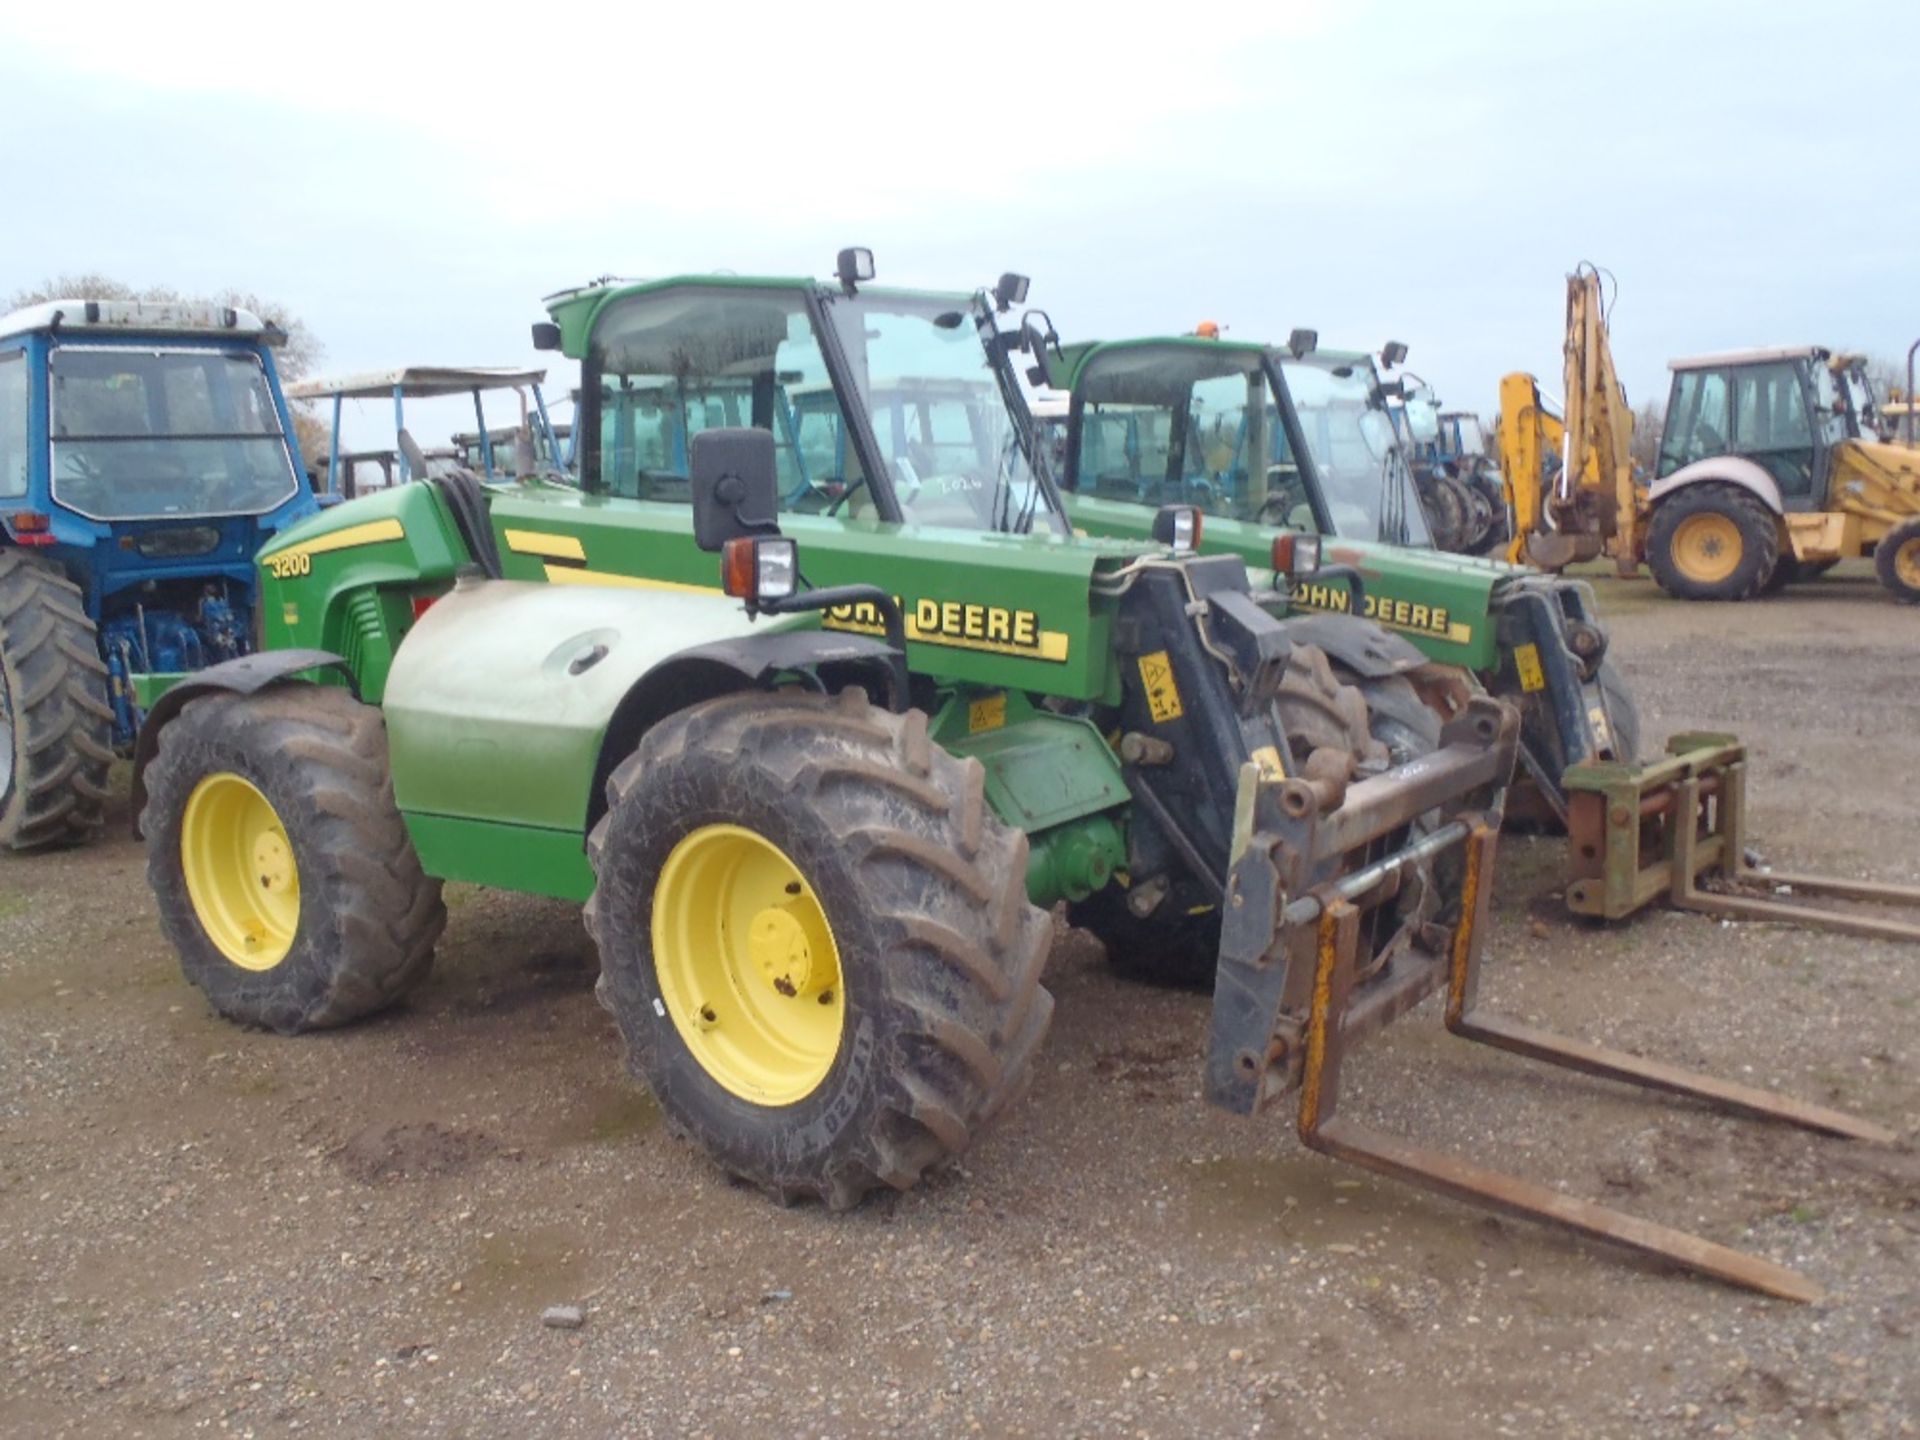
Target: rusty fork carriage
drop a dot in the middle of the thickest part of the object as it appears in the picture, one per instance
(1327, 937)
(1630, 844)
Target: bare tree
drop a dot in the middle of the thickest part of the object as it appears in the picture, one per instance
(1888, 377)
(1649, 419)
(295, 360)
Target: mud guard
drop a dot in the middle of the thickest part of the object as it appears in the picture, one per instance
(245, 676)
(1368, 650)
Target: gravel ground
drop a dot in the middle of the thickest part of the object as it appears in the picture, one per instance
(204, 1230)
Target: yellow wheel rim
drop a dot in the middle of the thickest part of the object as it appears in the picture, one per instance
(240, 871)
(747, 965)
(1906, 563)
(1707, 548)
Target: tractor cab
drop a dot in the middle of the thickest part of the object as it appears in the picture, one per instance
(527, 448)
(146, 454)
(1786, 411)
(885, 404)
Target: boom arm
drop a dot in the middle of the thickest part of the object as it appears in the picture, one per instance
(1595, 506)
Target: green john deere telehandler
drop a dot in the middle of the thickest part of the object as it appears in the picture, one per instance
(1294, 461)
(815, 859)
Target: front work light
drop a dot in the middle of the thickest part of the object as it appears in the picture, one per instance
(1179, 527)
(1296, 556)
(760, 569)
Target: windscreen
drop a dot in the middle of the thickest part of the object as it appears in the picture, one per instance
(1368, 488)
(921, 365)
(144, 434)
(1191, 425)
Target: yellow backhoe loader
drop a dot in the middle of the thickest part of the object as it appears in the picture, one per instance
(1765, 473)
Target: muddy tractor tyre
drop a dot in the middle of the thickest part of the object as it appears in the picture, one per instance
(56, 732)
(1396, 715)
(1896, 560)
(1446, 516)
(1713, 542)
(1319, 710)
(1623, 711)
(816, 941)
(1476, 516)
(286, 880)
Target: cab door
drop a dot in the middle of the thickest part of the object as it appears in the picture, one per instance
(1773, 425)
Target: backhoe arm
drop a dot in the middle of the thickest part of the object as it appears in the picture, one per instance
(1592, 506)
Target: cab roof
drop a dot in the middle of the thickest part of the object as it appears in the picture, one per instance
(575, 309)
(417, 382)
(139, 317)
(1074, 358)
(1759, 356)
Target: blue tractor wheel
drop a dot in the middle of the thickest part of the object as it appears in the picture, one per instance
(56, 731)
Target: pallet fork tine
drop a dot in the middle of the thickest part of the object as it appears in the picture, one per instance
(1339, 1009)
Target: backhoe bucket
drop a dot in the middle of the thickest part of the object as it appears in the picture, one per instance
(1675, 830)
(1326, 938)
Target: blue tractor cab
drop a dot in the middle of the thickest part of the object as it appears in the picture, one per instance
(146, 454)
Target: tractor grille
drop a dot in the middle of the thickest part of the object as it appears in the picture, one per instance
(363, 639)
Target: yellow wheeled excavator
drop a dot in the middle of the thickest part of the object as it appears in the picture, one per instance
(1765, 473)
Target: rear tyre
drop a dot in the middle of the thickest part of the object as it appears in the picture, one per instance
(816, 941)
(1445, 517)
(1896, 560)
(1713, 542)
(1476, 516)
(1786, 571)
(56, 732)
(286, 880)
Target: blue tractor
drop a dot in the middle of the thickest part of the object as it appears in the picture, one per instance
(146, 453)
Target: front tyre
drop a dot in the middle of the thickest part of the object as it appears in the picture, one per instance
(285, 878)
(816, 941)
(1896, 560)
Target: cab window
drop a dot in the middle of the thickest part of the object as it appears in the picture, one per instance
(1772, 425)
(1697, 424)
(675, 363)
(13, 425)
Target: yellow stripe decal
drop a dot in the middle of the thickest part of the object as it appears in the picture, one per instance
(373, 532)
(570, 575)
(540, 542)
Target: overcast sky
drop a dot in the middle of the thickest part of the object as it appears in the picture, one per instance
(411, 186)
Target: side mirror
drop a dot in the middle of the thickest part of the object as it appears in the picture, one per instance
(853, 267)
(546, 335)
(1392, 353)
(1010, 290)
(1037, 336)
(1302, 343)
(735, 489)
